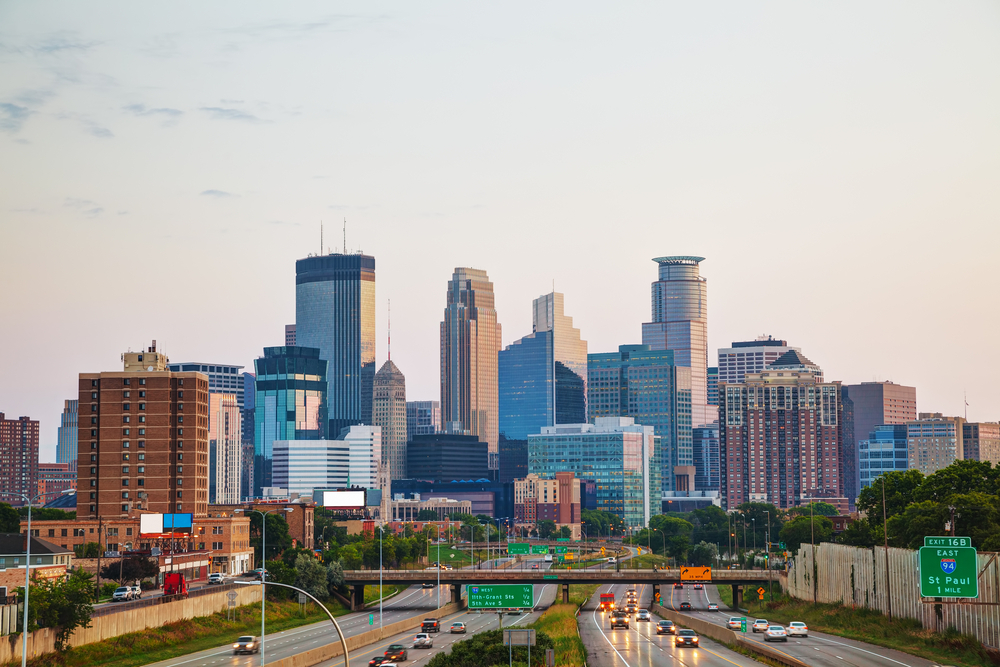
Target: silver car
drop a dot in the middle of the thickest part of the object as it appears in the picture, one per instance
(642, 615)
(775, 633)
(423, 640)
(797, 629)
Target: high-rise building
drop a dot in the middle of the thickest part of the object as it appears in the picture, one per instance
(780, 436)
(290, 404)
(289, 335)
(389, 412)
(981, 441)
(423, 418)
(713, 385)
(470, 342)
(364, 443)
(752, 356)
(680, 324)
(302, 466)
(542, 377)
(866, 406)
(247, 435)
(18, 458)
(446, 457)
(335, 312)
(705, 448)
(649, 387)
(615, 452)
(68, 431)
(884, 450)
(513, 458)
(225, 451)
(222, 379)
(143, 439)
(934, 441)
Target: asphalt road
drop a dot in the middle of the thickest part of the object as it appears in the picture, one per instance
(817, 649)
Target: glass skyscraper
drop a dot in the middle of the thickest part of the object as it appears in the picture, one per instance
(885, 450)
(289, 404)
(646, 385)
(335, 312)
(705, 447)
(66, 451)
(542, 377)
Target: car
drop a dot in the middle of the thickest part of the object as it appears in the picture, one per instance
(642, 615)
(678, 585)
(423, 640)
(427, 585)
(734, 623)
(255, 574)
(630, 609)
(122, 594)
(458, 627)
(797, 629)
(666, 628)
(760, 625)
(775, 633)
(378, 661)
(712, 606)
(430, 625)
(534, 566)
(619, 619)
(395, 653)
(612, 559)
(513, 611)
(246, 644)
(686, 638)
(216, 578)
(699, 587)
(685, 606)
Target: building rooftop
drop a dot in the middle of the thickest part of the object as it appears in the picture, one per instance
(679, 259)
(791, 359)
(13, 544)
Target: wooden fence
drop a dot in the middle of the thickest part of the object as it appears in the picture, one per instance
(856, 577)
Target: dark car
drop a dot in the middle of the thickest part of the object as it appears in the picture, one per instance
(686, 638)
(377, 660)
(678, 585)
(619, 619)
(685, 606)
(395, 653)
(430, 625)
(666, 628)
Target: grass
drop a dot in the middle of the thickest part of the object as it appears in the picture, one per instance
(372, 593)
(444, 553)
(184, 637)
(559, 623)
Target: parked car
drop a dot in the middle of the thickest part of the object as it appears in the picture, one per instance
(216, 578)
(685, 606)
(775, 633)
(430, 625)
(396, 653)
(797, 629)
(458, 628)
(642, 615)
(122, 594)
(246, 644)
(712, 606)
(423, 640)
(760, 625)
(686, 638)
(666, 628)
(734, 623)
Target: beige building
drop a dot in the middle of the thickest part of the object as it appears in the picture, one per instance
(407, 510)
(981, 441)
(389, 412)
(934, 442)
(540, 499)
(225, 433)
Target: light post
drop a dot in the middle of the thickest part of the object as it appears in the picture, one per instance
(263, 568)
(754, 531)
(767, 557)
(381, 538)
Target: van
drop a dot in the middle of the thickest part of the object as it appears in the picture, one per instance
(548, 558)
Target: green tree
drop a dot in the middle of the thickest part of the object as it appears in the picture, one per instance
(88, 550)
(545, 528)
(918, 520)
(861, 533)
(350, 557)
(427, 515)
(821, 508)
(311, 576)
(10, 520)
(900, 490)
(960, 478)
(63, 604)
(334, 576)
(130, 569)
(281, 573)
(565, 532)
(704, 554)
(487, 648)
(46, 514)
(756, 516)
(711, 524)
(801, 530)
(278, 538)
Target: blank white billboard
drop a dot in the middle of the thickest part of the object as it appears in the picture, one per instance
(352, 499)
(150, 524)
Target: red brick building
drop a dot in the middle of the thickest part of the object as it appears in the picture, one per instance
(538, 499)
(18, 459)
(54, 478)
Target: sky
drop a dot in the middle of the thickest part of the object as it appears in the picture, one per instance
(837, 164)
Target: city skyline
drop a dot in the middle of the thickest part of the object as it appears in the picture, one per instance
(137, 146)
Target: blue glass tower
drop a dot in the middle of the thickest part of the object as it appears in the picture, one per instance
(885, 450)
(289, 403)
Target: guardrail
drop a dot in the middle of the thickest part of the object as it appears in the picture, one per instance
(610, 575)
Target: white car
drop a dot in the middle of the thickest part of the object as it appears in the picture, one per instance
(734, 623)
(612, 559)
(216, 578)
(712, 606)
(760, 625)
(136, 592)
(797, 629)
(423, 640)
(775, 633)
(122, 594)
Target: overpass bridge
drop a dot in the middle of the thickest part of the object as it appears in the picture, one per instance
(358, 579)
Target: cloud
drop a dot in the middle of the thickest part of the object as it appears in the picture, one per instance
(61, 43)
(143, 110)
(89, 126)
(12, 117)
(220, 194)
(85, 206)
(222, 113)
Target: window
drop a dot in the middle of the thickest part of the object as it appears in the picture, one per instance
(93, 445)
(63, 532)
(52, 532)
(180, 431)
(142, 419)
(125, 419)
(142, 406)
(93, 383)
(180, 444)
(128, 531)
(180, 482)
(126, 432)
(142, 456)
(93, 420)
(124, 470)
(217, 546)
(180, 494)
(124, 509)
(140, 469)
(124, 482)
(93, 482)
(180, 456)
(93, 457)
(93, 433)
(93, 496)
(180, 506)
(180, 419)
(124, 456)
(141, 482)
(128, 381)
(180, 394)
(142, 444)
(93, 470)
(93, 395)
(126, 394)
(142, 380)
(126, 406)
(124, 495)
(180, 469)
(180, 406)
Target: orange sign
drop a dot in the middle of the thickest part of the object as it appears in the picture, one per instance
(696, 574)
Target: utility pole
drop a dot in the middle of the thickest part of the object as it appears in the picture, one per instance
(885, 546)
(952, 522)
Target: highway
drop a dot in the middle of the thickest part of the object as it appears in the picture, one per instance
(817, 649)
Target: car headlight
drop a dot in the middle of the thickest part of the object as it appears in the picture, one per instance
(236, 645)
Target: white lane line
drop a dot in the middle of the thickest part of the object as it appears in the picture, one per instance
(601, 630)
(878, 655)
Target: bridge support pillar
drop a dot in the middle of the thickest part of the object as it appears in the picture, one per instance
(565, 593)
(737, 596)
(357, 597)
(456, 592)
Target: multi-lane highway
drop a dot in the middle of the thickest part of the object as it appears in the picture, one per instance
(817, 649)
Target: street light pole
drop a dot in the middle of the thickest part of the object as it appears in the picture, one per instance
(263, 567)
(381, 538)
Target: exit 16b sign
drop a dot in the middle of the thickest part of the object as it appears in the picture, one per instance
(949, 572)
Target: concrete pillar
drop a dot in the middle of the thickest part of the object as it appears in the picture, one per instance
(565, 593)
(456, 592)
(737, 596)
(357, 597)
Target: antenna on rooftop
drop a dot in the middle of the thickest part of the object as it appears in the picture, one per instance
(389, 301)
(345, 236)
(320, 237)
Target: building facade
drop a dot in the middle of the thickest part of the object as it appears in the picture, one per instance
(365, 446)
(143, 439)
(302, 466)
(617, 453)
(934, 441)
(557, 499)
(290, 335)
(649, 387)
(680, 323)
(389, 408)
(981, 441)
(705, 448)
(423, 418)
(18, 459)
(225, 448)
(335, 313)
(54, 478)
(289, 404)
(406, 510)
(69, 425)
(884, 450)
(752, 356)
(513, 459)
(222, 379)
(779, 438)
(493, 499)
(470, 343)
(247, 435)
(713, 385)
(447, 456)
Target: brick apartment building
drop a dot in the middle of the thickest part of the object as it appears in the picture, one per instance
(301, 520)
(54, 478)
(18, 459)
(539, 499)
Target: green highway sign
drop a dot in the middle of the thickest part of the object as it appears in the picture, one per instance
(520, 548)
(539, 549)
(562, 539)
(560, 550)
(743, 624)
(501, 596)
(948, 571)
(550, 576)
(947, 541)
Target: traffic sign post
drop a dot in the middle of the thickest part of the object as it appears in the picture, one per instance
(760, 593)
(501, 596)
(948, 568)
(743, 624)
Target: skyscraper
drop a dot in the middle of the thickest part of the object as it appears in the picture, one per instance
(67, 438)
(389, 413)
(981, 441)
(290, 404)
(247, 435)
(751, 356)
(470, 342)
(18, 458)
(423, 418)
(542, 377)
(705, 447)
(289, 335)
(225, 453)
(884, 450)
(335, 312)
(680, 323)
(934, 441)
(222, 378)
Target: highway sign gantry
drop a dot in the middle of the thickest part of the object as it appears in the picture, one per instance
(948, 568)
(539, 549)
(501, 596)
(518, 548)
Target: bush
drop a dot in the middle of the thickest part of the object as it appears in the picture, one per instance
(486, 648)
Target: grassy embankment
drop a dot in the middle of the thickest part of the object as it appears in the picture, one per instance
(184, 637)
(444, 553)
(559, 622)
(372, 593)
(902, 634)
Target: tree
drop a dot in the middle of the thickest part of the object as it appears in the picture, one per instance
(821, 508)
(861, 533)
(565, 532)
(803, 529)
(64, 604)
(900, 490)
(130, 569)
(427, 515)
(960, 478)
(311, 576)
(10, 520)
(46, 514)
(334, 576)
(350, 558)
(711, 524)
(756, 516)
(545, 528)
(278, 538)
(487, 648)
(917, 521)
(88, 550)
(704, 554)
(278, 572)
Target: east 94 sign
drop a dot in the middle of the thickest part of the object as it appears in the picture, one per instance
(948, 572)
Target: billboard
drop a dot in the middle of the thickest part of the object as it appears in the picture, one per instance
(166, 524)
(344, 499)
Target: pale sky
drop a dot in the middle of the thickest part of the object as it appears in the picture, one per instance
(838, 164)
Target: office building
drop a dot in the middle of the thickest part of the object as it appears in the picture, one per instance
(53, 479)
(492, 499)
(542, 377)
(18, 458)
(884, 450)
(143, 439)
(713, 385)
(290, 335)
(705, 449)
(866, 406)
(513, 458)
(680, 324)
(649, 387)
(289, 404)
(446, 456)
(302, 466)
(779, 438)
(335, 312)
(222, 379)
(69, 425)
(934, 441)
(407, 510)
(618, 454)
(225, 448)
(247, 435)
(554, 499)
(470, 343)
(981, 441)
(423, 418)
(752, 356)
(389, 413)
(364, 444)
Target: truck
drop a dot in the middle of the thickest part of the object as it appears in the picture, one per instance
(548, 558)
(174, 584)
(607, 601)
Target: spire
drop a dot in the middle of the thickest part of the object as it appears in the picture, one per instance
(389, 328)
